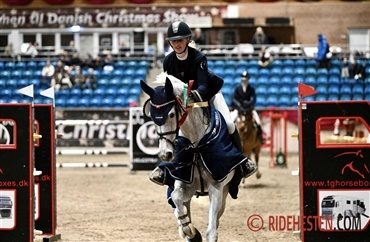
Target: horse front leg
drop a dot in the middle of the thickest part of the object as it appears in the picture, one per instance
(217, 197)
(181, 197)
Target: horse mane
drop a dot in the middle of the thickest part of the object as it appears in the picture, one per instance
(178, 85)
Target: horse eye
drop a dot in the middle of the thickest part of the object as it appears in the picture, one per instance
(172, 115)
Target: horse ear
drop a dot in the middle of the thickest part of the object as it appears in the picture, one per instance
(169, 89)
(146, 88)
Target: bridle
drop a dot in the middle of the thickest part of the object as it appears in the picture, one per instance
(181, 109)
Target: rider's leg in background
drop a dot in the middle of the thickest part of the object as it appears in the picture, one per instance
(258, 123)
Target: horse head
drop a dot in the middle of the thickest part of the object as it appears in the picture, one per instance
(166, 110)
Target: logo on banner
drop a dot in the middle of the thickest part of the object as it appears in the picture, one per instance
(147, 132)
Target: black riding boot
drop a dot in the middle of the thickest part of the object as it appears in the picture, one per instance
(158, 176)
(248, 168)
(259, 133)
(235, 138)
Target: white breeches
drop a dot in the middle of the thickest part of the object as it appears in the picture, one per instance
(256, 117)
(220, 104)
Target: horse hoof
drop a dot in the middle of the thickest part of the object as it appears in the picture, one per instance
(258, 175)
(196, 238)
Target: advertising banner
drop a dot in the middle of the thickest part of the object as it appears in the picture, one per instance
(143, 141)
(335, 171)
(16, 172)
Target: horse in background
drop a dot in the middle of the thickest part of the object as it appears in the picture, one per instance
(192, 165)
(248, 134)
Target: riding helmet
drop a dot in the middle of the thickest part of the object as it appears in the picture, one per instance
(178, 30)
(245, 75)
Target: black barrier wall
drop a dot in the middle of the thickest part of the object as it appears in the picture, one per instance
(45, 211)
(143, 141)
(335, 177)
(16, 172)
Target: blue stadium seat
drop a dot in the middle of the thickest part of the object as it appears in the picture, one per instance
(311, 63)
(277, 63)
(229, 71)
(219, 64)
(367, 89)
(11, 83)
(309, 98)
(102, 82)
(333, 97)
(20, 65)
(83, 102)
(253, 63)
(27, 73)
(6, 92)
(333, 89)
(60, 102)
(134, 91)
(87, 92)
(132, 64)
(110, 92)
(16, 74)
(117, 73)
(261, 101)
(285, 90)
(284, 101)
(32, 65)
(143, 64)
(300, 63)
(345, 89)
(41, 64)
(9, 65)
(22, 82)
(119, 102)
(335, 63)
(261, 90)
(272, 101)
(36, 82)
(310, 80)
(5, 74)
(345, 96)
(311, 71)
(321, 89)
(274, 80)
(2, 83)
(253, 71)
(288, 71)
(72, 102)
(107, 102)
(99, 92)
(367, 97)
(2, 65)
(114, 82)
(229, 80)
(63, 93)
(288, 63)
(335, 71)
(299, 70)
(357, 89)
(227, 90)
(272, 90)
(262, 80)
(76, 92)
(322, 71)
(320, 97)
(276, 71)
(264, 72)
(334, 80)
(4, 100)
(322, 80)
(242, 64)
(287, 80)
(95, 102)
(294, 101)
(357, 97)
(230, 64)
(120, 65)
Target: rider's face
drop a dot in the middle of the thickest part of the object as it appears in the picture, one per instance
(179, 45)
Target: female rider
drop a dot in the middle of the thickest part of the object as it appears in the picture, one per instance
(187, 63)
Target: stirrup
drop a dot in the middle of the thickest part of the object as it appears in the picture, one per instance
(157, 176)
(249, 168)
